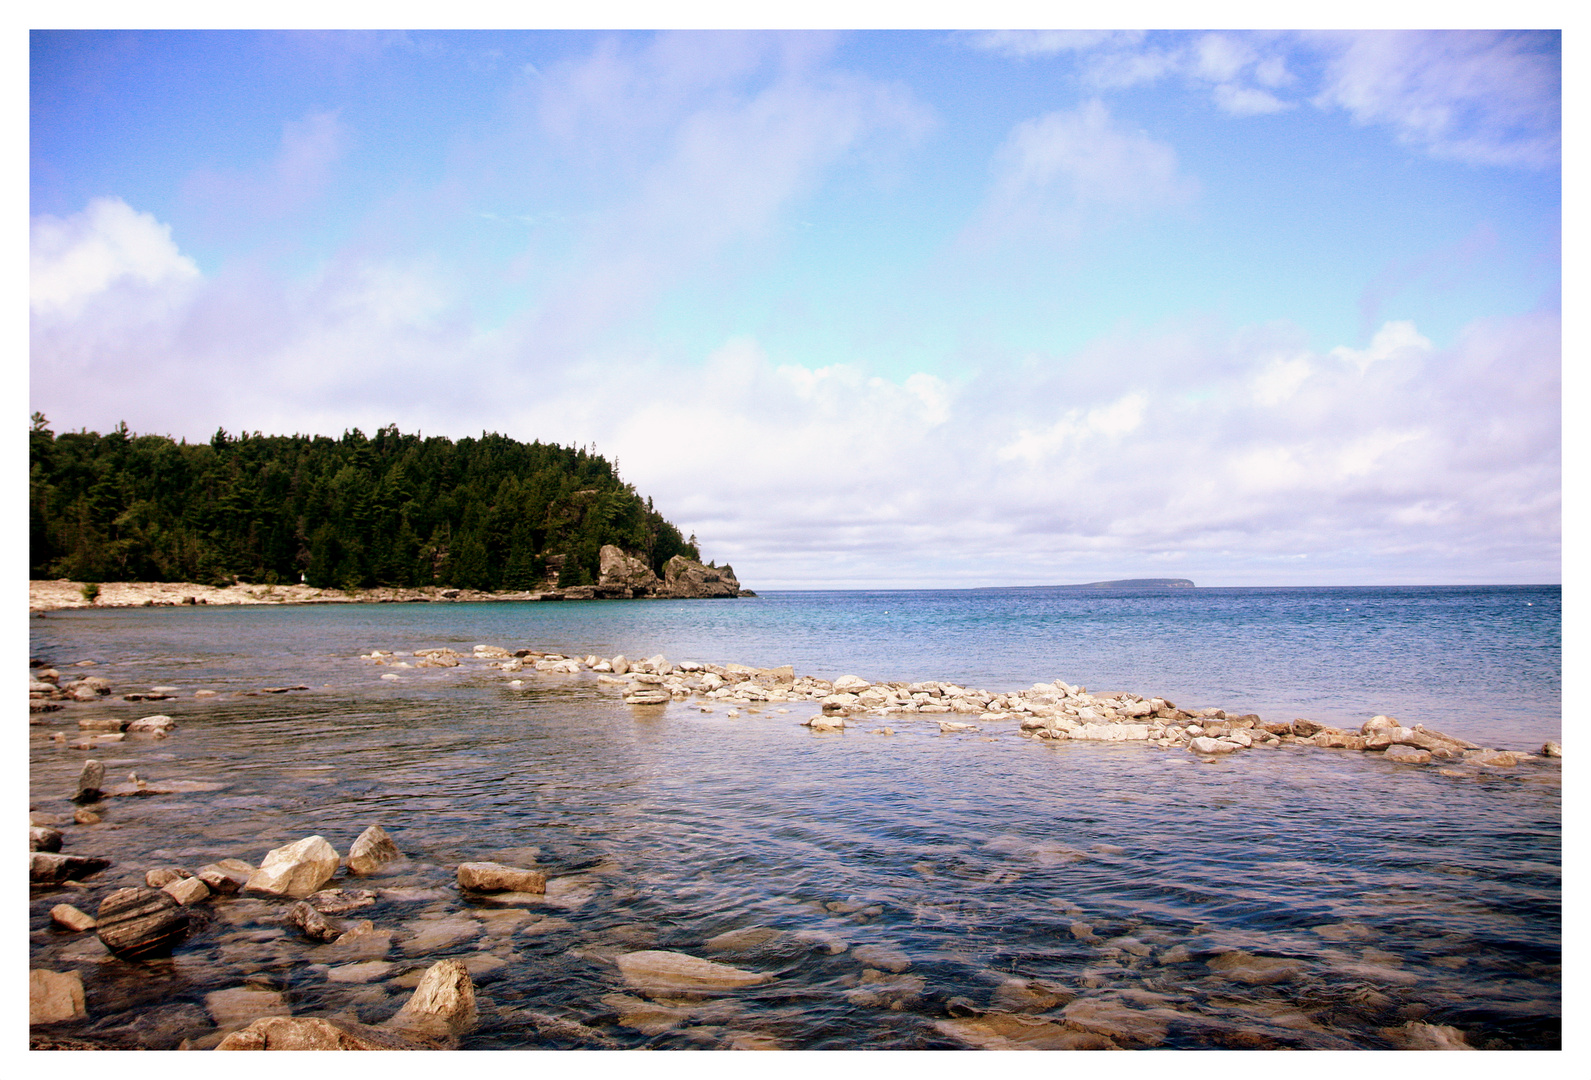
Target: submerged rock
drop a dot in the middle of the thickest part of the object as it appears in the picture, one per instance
(55, 997)
(312, 1033)
(1416, 1035)
(1003, 1031)
(657, 970)
(1256, 970)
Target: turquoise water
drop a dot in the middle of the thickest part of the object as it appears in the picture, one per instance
(1112, 874)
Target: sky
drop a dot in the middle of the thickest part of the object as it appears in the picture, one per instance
(859, 309)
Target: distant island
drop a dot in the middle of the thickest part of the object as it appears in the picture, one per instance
(1122, 583)
(1137, 583)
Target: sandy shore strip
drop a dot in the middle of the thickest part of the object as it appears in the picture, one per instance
(62, 594)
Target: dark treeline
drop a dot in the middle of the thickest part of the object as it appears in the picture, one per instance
(358, 511)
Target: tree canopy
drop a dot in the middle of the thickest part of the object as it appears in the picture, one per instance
(359, 511)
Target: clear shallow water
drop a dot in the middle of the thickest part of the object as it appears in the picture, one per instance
(1401, 893)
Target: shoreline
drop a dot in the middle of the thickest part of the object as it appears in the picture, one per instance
(63, 595)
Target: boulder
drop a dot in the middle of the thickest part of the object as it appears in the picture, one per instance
(1338, 740)
(495, 877)
(1551, 749)
(442, 1005)
(65, 915)
(55, 997)
(372, 850)
(90, 782)
(48, 868)
(44, 838)
(161, 876)
(1407, 755)
(312, 1033)
(296, 869)
(688, 579)
(614, 567)
(666, 972)
(151, 725)
(138, 923)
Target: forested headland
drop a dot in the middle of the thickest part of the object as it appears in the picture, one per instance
(355, 512)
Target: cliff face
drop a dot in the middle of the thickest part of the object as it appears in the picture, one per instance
(683, 578)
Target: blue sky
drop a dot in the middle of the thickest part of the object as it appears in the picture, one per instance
(894, 308)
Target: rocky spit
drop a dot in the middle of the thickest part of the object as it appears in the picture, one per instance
(300, 902)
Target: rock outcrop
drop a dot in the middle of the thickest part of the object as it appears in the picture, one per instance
(615, 568)
(688, 579)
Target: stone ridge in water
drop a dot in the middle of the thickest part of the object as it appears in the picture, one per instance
(1050, 711)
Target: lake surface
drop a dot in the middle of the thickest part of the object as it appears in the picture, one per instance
(1099, 881)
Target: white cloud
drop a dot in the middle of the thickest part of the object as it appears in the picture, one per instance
(1066, 169)
(1483, 97)
(1478, 96)
(106, 245)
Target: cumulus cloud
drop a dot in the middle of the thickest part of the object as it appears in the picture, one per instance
(1196, 450)
(106, 247)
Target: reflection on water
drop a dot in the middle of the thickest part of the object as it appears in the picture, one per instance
(917, 890)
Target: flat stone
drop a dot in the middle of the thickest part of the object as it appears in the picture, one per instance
(363, 972)
(1205, 745)
(743, 940)
(495, 877)
(312, 1033)
(152, 725)
(227, 876)
(1116, 1021)
(881, 956)
(187, 891)
(658, 970)
(649, 1018)
(243, 1004)
(433, 935)
(55, 997)
(71, 918)
(1003, 1031)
